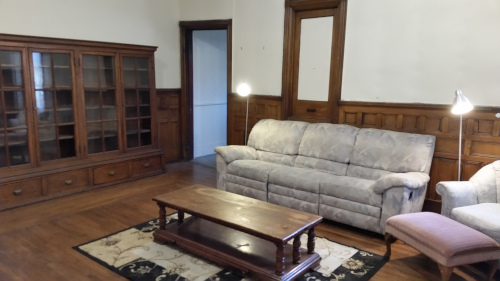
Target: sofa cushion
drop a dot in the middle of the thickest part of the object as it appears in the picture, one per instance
(299, 178)
(482, 217)
(365, 173)
(277, 136)
(327, 166)
(332, 142)
(276, 158)
(352, 189)
(252, 169)
(393, 151)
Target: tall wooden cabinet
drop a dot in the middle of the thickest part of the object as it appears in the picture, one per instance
(74, 115)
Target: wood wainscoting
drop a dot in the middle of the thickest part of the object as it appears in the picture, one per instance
(481, 141)
(259, 107)
(168, 122)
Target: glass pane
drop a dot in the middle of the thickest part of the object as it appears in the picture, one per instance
(142, 63)
(131, 112)
(3, 154)
(66, 132)
(11, 68)
(129, 78)
(130, 97)
(17, 141)
(46, 133)
(64, 99)
(90, 72)
(110, 136)
(146, 138)
(107, 71)
(129, 63)
(48, 150)
(61, 60)
(62, 77)
(14, 101)
(92, 106)
(1, 119)
(132, 141)
(144, 97)
(143, 78)
(64, 107)
(108, 105)
(132, 127)
(42, 70)
(94, 130)
(67, 147)
(45, 106)
(145, 111)
(65, 116)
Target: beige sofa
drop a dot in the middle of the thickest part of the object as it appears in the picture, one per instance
(354, 176)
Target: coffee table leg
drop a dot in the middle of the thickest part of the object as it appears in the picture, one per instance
(162, 218)
(280, 258)
(311, 237)
(296, 249)
(180, 216)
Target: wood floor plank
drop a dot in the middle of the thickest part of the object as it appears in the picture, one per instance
(36, 241)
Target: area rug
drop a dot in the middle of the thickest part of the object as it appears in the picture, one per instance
(132, 254)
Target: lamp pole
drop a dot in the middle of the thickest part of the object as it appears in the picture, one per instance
(246, 122)
(461, 105)
(244, 91)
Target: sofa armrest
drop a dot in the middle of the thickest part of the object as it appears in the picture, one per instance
(236, 152)
(411, 180)
(456, 194)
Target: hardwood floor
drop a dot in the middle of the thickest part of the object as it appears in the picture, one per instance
(36, 241)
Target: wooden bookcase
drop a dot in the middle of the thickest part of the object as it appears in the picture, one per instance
(74, 115)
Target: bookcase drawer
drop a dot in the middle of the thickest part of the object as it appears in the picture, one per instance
(66, 181)
(146, 165)
(111, 173)
(19, 191)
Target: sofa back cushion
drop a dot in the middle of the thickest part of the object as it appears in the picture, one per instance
(327, 147)
(487, 182)
(393, 151)
(282, 137)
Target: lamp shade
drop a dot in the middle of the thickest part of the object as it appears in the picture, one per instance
(461, 104)
(243, 89)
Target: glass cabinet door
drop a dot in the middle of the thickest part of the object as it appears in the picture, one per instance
(54, 104)
(137, 101)
(14, 148)
(100, 103)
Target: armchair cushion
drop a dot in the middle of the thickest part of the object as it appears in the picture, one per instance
(236, 152)
(483, 217)
(411, 180)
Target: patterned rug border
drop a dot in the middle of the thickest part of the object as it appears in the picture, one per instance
(377, 266)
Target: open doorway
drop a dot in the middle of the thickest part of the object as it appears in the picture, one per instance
(206, 82)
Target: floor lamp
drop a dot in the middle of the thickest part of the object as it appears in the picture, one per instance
(461, 105)
(244, 91)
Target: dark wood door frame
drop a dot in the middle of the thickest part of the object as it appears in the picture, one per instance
(186, 36)
(293, 8)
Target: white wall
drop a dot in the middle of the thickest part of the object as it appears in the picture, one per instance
(258, 27)
(191, 10)
(209, 91)
(421, 51)
(142, 22)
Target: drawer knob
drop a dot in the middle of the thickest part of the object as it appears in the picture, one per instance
(146, 165)
(112, 173)
(68, 182)
(311, 109)
(18, 192)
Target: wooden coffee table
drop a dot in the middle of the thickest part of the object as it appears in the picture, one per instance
(239, 232)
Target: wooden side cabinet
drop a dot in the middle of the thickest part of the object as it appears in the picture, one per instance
(74, 115)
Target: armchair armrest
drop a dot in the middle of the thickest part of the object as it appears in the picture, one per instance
(456, 194)
(236, 152)
(411, 180)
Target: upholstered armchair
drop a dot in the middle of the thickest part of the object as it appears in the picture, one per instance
(475, 203)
